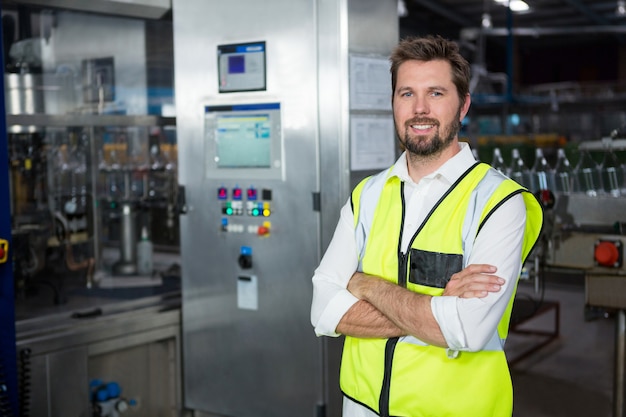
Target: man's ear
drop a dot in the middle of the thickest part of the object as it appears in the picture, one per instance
(465, 107)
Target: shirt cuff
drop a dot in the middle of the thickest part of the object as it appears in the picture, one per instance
(335, 310)
(445, 311)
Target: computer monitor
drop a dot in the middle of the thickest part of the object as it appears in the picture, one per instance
(241, 67)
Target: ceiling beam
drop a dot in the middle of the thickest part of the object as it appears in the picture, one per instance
(473, 33)
(446, 12)
(582, 8)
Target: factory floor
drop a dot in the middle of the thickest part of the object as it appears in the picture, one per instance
(572, 375)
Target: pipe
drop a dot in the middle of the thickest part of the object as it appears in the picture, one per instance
(473, 33)
(620, 352)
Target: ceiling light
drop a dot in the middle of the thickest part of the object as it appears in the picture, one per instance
(486, 21)
(621, 8)
(518, 6)
(514, 5)
(402, 10)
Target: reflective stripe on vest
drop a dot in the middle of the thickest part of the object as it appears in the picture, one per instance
(404, 376)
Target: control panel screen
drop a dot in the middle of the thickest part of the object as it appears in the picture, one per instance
(241, 67)
(243, 140)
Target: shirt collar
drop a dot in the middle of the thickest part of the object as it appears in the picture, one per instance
(451, 170)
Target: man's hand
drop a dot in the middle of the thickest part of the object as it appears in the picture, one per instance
(405, 312)
(474, 281)
(356, 282)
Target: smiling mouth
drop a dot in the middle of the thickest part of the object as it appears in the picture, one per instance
(422, 127)
(422, 124)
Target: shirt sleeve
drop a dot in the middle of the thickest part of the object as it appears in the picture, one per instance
(469, 323)
(331, 298)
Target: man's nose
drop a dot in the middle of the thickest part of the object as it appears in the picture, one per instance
(420, 105)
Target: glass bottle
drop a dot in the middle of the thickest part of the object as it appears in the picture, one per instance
(475, 154)
(588, 175)
(541, 173)
(77, 165)
(563, 174)
(144, 254)
(612, 174)
(497, 161)
(115, 176)
(518, 170)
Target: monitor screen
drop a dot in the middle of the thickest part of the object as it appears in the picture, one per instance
(243, 141)
(241, 67)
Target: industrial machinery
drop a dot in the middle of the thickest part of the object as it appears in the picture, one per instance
(585, 227)
(281, 107)
(588, 235)
(92, 162)
(87, 170)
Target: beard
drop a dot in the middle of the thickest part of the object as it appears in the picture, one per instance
(422, 145)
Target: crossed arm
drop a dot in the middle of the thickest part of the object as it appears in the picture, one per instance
(387, 310)
(349, 303)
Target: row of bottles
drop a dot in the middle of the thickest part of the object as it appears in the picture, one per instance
(605, 178)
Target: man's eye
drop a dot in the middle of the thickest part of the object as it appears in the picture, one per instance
(436, 94)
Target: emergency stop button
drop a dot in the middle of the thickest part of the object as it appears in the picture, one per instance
(4, 250)
(608, 253)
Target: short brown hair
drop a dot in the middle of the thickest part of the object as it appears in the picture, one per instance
(429, 48)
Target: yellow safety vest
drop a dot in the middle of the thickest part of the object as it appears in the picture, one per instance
(404, 376)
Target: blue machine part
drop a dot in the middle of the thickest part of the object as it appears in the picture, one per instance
(8, 355)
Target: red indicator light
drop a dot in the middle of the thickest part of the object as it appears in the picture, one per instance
(251, 194)
(222, 193)
(236, 193)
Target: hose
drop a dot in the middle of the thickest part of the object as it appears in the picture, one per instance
(5, 402)
(24, 383)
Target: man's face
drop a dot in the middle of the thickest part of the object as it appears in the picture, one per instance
(426, 107)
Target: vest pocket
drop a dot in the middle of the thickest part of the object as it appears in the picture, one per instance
(433, 269)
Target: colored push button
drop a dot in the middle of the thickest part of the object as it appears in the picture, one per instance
(227, 208)
(258, 209)
(252, 194)
(264, 229)
(237, 193)
(266, 209)
(245, 257)
(4, 250)
(606, 253)
(222, 193)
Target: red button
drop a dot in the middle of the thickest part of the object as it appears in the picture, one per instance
(2, 252)
(606, 254)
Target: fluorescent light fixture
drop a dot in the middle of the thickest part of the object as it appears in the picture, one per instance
(515, 5)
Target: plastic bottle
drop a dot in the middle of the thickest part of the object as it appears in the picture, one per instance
(144, 254)
(475, 154)
(518, 170)
(541, 173)
(612, 174)
(563, 174)
(497, 161)
(588, 175)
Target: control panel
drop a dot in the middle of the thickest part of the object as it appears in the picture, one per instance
(238, 205)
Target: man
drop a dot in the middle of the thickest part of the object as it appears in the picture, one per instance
(422, 269)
